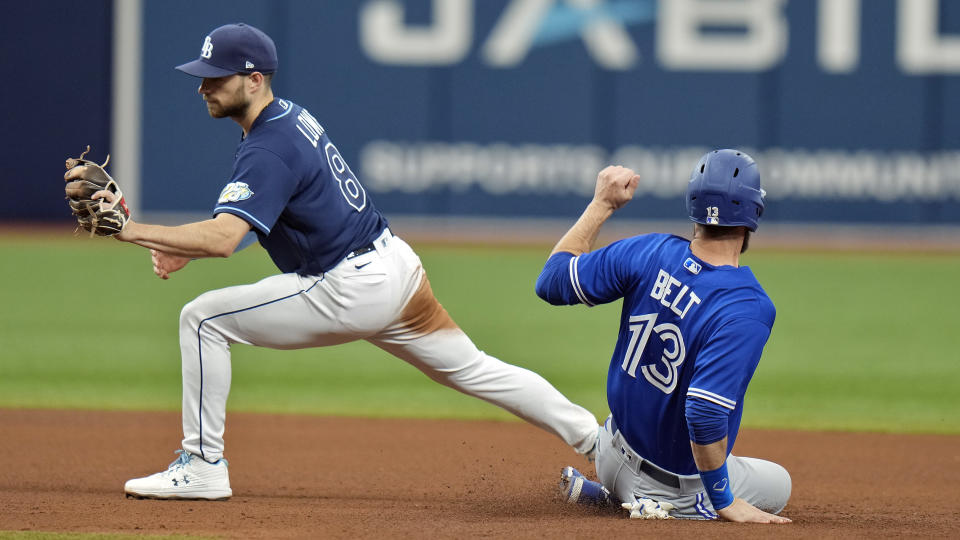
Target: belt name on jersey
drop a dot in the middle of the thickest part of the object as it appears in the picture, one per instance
(664, 287)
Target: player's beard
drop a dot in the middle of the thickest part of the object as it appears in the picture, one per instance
(236, 108)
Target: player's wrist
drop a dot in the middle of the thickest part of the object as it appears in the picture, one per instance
(129, 231)
(717, 485)
(603, 207)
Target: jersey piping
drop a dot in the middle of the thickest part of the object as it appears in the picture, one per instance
(711, 397)
(231, 209)
(281, 115)
(575, 280)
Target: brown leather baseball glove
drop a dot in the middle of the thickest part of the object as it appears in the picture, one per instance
(105, 215)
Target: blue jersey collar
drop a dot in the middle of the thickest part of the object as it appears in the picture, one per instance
(278, 108)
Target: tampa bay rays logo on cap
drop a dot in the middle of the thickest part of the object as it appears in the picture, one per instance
(235, 191)
(207, 50)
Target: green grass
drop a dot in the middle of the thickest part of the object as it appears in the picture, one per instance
(862, 341)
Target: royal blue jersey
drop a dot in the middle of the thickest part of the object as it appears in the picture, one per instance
(688, 330)
(293, 187)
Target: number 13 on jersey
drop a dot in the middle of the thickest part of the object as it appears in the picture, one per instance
(641, 326)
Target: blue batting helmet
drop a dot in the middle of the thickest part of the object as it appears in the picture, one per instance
(724, 190)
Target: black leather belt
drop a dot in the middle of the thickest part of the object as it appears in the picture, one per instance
(365, 249)
(651, 470)
(660, 475)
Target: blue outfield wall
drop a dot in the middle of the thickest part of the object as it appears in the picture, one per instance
(56, 99)
(510, 107)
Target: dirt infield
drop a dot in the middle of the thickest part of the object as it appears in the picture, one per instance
(318, 477)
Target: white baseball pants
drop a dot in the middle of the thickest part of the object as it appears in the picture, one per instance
(762, 483)
(382, 296)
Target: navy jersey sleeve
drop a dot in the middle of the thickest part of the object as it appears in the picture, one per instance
(726, 364)
(259, 189)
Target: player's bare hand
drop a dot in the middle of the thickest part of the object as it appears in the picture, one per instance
(165, 264)
(615, 186)
(743, 512)
(108, 196)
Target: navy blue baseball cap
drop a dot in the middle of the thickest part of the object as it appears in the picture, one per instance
(233, 48)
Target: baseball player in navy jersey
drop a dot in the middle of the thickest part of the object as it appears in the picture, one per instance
(692, 329)
(344, 275)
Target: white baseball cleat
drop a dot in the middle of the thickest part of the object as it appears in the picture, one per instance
(188, 477)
